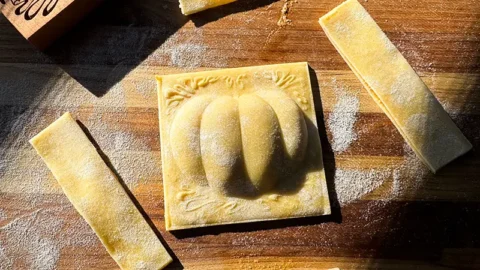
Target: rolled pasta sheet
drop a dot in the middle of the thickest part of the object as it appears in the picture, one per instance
(394, 85)
(97, 195)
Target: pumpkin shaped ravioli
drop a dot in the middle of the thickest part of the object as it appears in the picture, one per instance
(240, 145)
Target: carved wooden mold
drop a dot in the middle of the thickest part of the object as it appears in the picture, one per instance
(43, 21)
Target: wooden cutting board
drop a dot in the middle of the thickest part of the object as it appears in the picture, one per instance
(390, 212)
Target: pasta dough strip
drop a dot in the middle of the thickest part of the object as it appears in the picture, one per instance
(193, 6)
(97, 195)
(394, 85)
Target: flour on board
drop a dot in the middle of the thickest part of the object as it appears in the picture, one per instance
(188, 56)
(187, 50)
(341, 121)
(410, 175)
(353, 184)
(34, 240)
(33, 232)
(406, 179)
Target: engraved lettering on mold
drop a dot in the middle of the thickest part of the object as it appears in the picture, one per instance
(31, 8)
(243, 146)
(184, 90)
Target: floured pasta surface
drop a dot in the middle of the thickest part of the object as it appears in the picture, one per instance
(97, 195)
(394, 85)
(240, 145)
(193, 6)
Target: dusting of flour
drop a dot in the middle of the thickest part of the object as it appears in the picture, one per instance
(34, 230)
(186, 49)
(34, 239)
(341, 120)
(410, 175)
(188, 55)
(405, 178)
(400, 180)
(352, 184)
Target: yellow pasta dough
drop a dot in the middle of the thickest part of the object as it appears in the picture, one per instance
(240, 145)
(193, 6)
(97, 195)
(394, 85)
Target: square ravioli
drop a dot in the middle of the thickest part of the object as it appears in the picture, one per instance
(240, 145)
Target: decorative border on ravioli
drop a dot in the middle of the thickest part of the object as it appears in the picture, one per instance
(240, 145)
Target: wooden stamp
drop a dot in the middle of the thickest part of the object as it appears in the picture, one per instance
(43, 21)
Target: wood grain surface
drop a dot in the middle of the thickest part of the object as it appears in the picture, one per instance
(102, 71)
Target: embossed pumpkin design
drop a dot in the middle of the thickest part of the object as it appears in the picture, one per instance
(239, 145)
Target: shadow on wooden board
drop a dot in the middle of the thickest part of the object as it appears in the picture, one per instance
(444, 234)
(327, 151)
(119, 35)
(211, 15)
(20, 98)
(253, 226)
(98, 53)
(114, 39)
